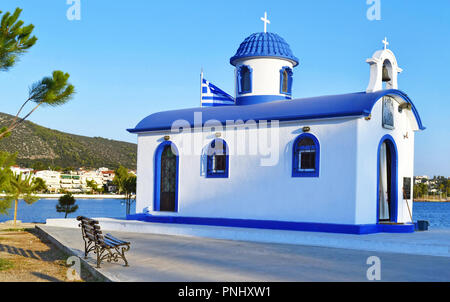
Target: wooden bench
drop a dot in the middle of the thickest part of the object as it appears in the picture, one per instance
(104, 246)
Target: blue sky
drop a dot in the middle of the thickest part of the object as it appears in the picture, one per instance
(131, 58)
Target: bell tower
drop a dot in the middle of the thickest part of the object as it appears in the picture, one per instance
(264, 68)
(384, 70)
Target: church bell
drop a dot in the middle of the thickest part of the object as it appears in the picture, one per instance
(386, 76)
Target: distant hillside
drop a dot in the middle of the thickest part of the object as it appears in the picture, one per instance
(37, 144)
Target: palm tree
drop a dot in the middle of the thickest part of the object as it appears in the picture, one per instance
(21, 188)
(121, 174)
(6, 161)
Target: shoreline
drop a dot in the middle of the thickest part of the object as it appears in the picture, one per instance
(81, 196)
(443, 201)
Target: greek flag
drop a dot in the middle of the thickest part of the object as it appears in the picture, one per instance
(212, 95)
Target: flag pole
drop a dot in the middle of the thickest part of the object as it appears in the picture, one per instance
(201, 83)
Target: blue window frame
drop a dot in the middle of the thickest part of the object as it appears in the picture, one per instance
(217, 159)
(286, 80)
(244, 78)
(306, 156)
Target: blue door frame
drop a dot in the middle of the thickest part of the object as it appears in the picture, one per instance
(393, 206)
(157, 182)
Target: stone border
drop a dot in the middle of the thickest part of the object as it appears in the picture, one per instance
(84, 264)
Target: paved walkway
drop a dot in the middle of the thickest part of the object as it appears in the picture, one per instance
(179, 258)
(429, 243)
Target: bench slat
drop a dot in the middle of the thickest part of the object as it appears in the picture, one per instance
(112, 238)
(110, 243)
(92, 231)
(90, 236)
(115, 240)
(91, 226)
(87, 220)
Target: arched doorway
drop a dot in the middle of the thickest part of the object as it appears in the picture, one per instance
(387, 197)
(166, 178)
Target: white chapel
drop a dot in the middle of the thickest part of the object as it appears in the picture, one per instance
(264, 159)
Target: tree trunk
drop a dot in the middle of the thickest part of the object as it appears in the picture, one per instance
(128, 203)
(15, 211)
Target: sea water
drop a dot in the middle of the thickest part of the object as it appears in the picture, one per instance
(46, 208)
(437, 213)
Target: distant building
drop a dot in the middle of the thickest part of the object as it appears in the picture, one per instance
(51, 178)
(25, 171)
(108, 176)
(91, 176)
(73, 181)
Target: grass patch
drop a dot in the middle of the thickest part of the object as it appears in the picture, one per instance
(5, 264)
(13, 230)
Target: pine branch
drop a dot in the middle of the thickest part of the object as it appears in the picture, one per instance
(52, 91)
(15, 39)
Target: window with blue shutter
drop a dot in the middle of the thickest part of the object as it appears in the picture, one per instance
(244, 78)
(306, 156)
(286, 80)
(217, 159)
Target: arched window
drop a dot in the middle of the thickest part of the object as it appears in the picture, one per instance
(244, 79)
(306, 155)
(217, 159)
(286, 80)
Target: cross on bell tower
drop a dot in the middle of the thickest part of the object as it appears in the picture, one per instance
(385, 42)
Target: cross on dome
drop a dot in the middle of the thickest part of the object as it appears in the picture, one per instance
(266, 21)
(385, 42)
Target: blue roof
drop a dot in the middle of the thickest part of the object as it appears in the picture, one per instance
(344, 105)
(264, 45)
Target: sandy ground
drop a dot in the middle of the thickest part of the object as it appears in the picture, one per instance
(26, 257)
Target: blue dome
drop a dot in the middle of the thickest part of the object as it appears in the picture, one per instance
(264, 45)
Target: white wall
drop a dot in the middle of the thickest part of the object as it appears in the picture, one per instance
(253, 191)
(265, 75)
(369, 135)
